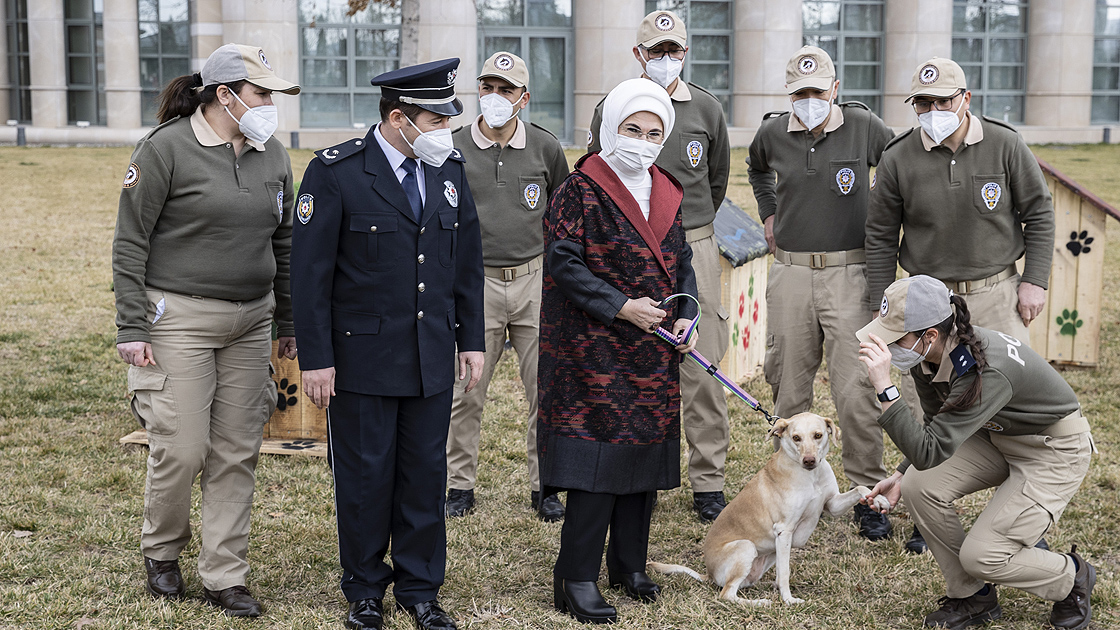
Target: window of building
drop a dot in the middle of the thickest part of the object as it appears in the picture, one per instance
(19, 62)
(85, 62)
(851, 32)
(710, 41)
(990, 44)
(165, 50)
(1106, 63)
(540, 32)
(339, 54)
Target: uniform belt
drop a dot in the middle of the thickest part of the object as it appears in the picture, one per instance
(700, 233)
(509, 274)
(820, 260)
(1072, 424)
(968, 286)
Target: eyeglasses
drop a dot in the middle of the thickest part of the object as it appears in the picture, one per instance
(633, 131)
(658, 53)
(940, 104)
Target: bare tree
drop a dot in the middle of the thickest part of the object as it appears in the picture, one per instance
(410, 25)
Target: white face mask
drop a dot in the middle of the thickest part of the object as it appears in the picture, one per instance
(432, 147)
(940, 125)
(637, 155)
(257, 123)
(665, 70)
(904, 359)
(496, 110)
(812, 111)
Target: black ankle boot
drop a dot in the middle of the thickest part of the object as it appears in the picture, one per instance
(636, 585)
(583, 601)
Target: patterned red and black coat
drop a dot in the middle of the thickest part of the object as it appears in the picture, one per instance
(609, 393)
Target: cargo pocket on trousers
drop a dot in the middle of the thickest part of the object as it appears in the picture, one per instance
(153, 401)
(271, 394)
(772, 363)
(1029, 516)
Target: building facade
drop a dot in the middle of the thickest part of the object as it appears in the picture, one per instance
(89, 71)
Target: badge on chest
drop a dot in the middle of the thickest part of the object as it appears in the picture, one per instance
(451, 194)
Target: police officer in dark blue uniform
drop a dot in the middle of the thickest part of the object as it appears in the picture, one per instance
(387, 283)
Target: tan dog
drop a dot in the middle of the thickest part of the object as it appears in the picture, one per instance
(776, 511)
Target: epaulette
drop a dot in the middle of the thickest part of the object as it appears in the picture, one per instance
(999, 122)
(962, 358)
(893, 141)
(456, 155)
(544, 130)
(161, 126)
(339, 152)
(856, 104)
(693, 85)
(769, 115)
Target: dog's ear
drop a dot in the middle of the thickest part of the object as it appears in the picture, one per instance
(779, 428)
(833, 430)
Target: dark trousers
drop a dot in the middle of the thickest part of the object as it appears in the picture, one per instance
(387, 457)
(586, 521)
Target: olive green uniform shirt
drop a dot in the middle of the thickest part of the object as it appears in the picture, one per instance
(1021, 395)
(965, 215)
(697, 152)
(511, 186)
(196, 219)
(819, 201)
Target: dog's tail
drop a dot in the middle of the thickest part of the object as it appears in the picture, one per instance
(670, 569)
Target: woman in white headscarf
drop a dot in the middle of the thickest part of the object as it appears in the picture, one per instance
(608, 419)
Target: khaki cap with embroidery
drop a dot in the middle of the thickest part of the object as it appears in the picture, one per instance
(506, 66)
(938, 77)
(234, 62)
(916, 303)
(809, 68)
(661, 26)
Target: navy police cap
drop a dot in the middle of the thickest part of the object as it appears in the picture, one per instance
(428, 85)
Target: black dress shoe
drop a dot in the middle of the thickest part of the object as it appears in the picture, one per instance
(708, 505)
(1074, 612)
(164, 578)
(917, 543)
(636, 585)
(550, 510)
(234, 601)
(583, 601)
(429, 616)
(459, 502)
(365, 614)
(872, 525)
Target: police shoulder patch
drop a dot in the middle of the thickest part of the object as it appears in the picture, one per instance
(963, 361)
(338, 152)
(132, 176)
(305, 208)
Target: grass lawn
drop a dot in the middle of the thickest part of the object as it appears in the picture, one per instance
(71, 499)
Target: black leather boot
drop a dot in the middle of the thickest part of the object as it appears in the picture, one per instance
(583, 601)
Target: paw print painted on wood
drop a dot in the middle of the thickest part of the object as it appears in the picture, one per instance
(298, 445)
(286, 394)
(1069, 322)
(1079, 243)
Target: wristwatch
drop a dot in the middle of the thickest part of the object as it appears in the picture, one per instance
(888, 394)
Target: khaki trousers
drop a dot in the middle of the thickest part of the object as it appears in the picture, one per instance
(994, 307)
(810, 309)
(204, 404)
(703, 400)
(512, 308)
(1036, 476)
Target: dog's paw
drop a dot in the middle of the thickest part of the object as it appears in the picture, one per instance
(882, 504)
(793, 600)
(863, 491)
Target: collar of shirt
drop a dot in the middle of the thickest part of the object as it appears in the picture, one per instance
(396, 158)
(480, 139)
(206, 135)
(679, 93)
(945, 369)
(974, 134)
(835, 119)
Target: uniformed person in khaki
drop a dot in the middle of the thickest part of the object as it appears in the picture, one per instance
(698, 154)
(814, 217)
(997, 416)
(518, 165)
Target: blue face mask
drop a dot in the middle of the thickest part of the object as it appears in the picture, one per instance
(905, 359)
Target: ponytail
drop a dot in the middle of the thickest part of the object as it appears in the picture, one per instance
(971, 396)
(184, 94)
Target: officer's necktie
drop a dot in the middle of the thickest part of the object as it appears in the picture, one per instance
(412, 188)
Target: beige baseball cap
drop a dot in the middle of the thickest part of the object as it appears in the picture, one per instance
(910, 304)
(809, 68)
(661, 26)
(938, 77)
(235, 62)
(506, 66)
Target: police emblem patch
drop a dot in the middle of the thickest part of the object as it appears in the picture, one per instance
(590, 138)
(532, 195)
(991, 426)
(280, 203)
(991, 193)
(264, 60)
(451, 194)
(305, 208)
(503, 62)
(451, 76)
(845, 178)
(132, 176)
(806, 65)
(928, 74)
(665, 22)
(883, 307)
(695, 152)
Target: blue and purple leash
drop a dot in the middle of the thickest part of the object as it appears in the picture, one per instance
(705, 364)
